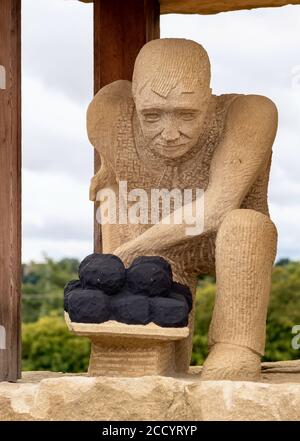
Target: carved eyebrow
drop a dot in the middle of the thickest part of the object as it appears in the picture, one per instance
(177, 109)
(186, 109)
(151, 109)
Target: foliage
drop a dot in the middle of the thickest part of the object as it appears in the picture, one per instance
(47, 343)
(205, 297)
(284, 312)
(42, 288)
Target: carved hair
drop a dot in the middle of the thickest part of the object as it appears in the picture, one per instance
(165, 62)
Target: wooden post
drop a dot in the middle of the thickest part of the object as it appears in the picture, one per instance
(10, 189)
(121, 28)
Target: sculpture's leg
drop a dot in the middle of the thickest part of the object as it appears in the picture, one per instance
(245, 252)
(188, 262)
(183, 348)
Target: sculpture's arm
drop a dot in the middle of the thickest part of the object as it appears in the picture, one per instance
(240, 157)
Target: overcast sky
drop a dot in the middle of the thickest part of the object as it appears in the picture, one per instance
(251, 52)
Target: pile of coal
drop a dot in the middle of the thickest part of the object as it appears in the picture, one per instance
(102, 271)
(70, 286)
(149, 275)
(87, 300)
(130, 309)
(143, 293)
(88, 306)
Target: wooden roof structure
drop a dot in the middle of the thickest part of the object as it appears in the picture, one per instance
(121, 28)
(215, 6)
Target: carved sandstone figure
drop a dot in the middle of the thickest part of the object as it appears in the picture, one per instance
(167, 130)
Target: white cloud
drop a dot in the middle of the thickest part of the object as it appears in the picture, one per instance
(58, 45)
(287, 218)
(38, 248)
(54, 132)
(57, 83)
(57, 215)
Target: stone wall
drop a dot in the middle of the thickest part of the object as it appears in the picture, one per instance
(55, 396)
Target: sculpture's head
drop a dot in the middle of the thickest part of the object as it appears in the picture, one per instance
(171, 90)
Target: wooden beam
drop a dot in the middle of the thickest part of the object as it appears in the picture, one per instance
(216, 6)
(121, 28)
(10, 189)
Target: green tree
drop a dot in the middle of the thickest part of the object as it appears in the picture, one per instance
(49, 345)
(283, 313)
(205, 297)
(43, 284)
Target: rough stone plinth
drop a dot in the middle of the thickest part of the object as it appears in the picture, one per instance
(121, 350)
(56, 396)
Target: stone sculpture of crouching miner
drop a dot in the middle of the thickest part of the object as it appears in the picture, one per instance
(167, 130)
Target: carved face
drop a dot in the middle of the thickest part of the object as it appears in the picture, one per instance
(171, 126)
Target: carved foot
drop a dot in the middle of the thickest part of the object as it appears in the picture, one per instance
(231, 362)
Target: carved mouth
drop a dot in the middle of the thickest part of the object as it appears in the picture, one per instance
(171, 147)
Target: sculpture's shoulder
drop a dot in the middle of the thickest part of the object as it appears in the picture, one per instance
(104, 126)
(255, 111)
(249, 117)
(105, 109)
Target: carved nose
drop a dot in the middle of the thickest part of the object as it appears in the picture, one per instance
(170, 133)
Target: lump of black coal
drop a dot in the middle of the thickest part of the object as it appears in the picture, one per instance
(86, 261)
(168, 312)
(130, 309)
(102, 271)
(179, 291)
(158, 260)
(70, 286)
(88, 306)
(148, 278)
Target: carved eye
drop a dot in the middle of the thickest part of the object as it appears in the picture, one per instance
(152, 117)
(187, 116)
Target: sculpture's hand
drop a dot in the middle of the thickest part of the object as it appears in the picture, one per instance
(144, 245)
(134, 248)
(156, 241)
(127, 252)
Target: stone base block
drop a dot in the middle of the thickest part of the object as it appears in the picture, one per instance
(55, 396)
(129, 350)
(113, 358)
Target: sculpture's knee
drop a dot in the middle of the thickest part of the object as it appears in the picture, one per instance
(244, 225)
(243, 216)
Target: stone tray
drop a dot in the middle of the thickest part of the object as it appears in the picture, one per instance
(114, 328)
